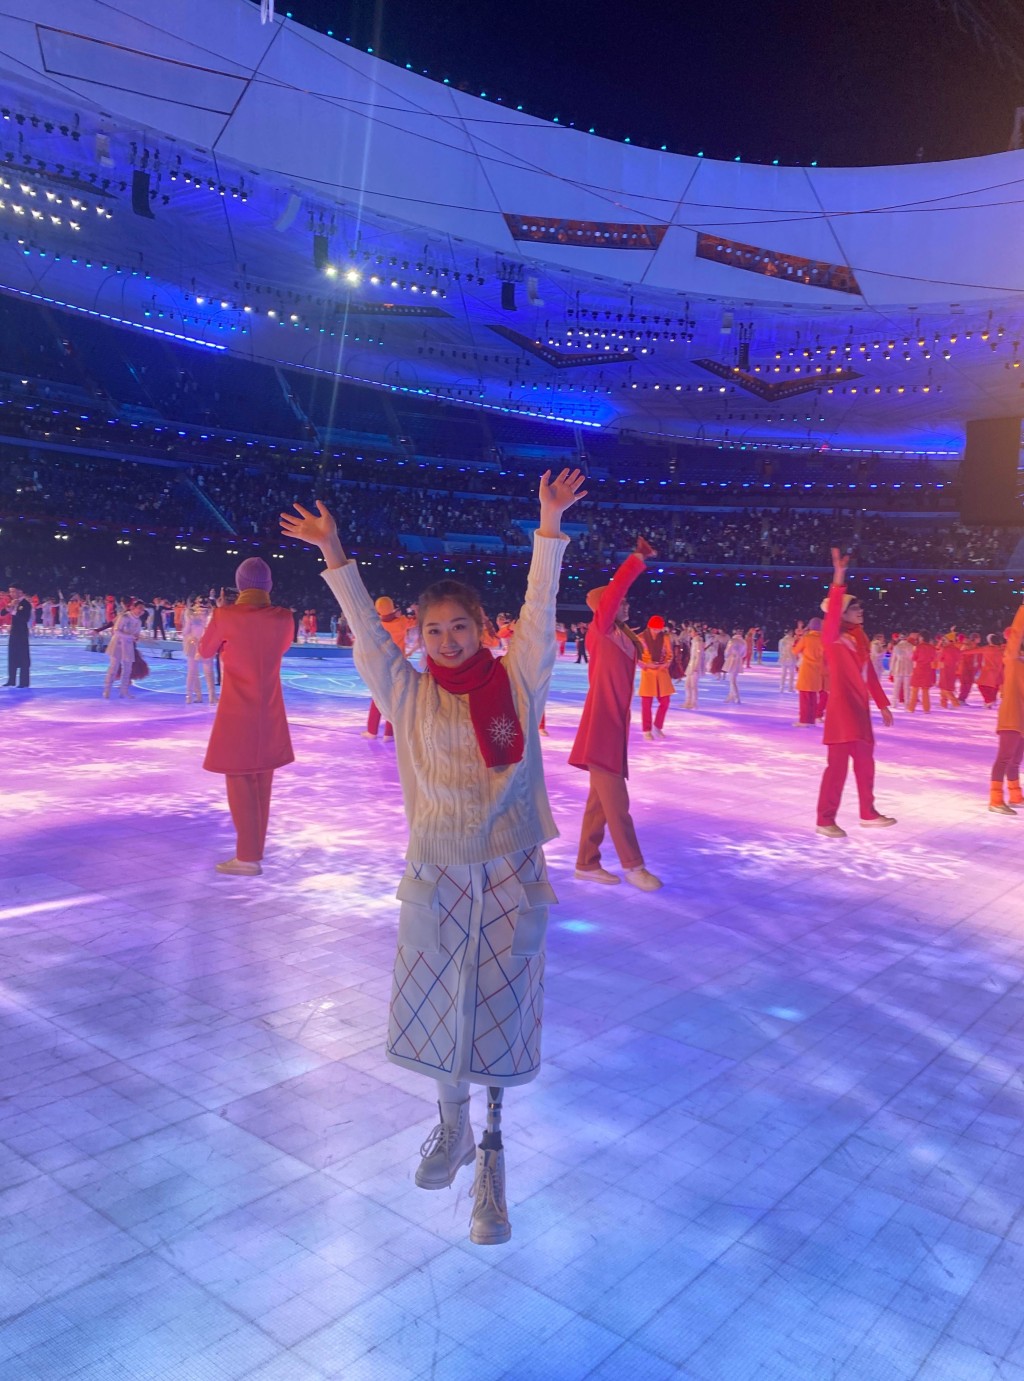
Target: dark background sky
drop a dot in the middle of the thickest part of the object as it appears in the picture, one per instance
(840, 81)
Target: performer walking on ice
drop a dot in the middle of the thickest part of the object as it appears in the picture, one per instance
(468, 989)
(1010, 724)
(250, 738)
(656, 658)
(852, 679)
(601, 745)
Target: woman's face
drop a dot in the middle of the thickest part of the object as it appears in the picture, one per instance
(449, 634)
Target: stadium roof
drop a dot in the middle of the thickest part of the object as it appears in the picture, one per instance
(270, 191)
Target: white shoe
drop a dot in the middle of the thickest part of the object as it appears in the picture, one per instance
(648, 733)
(641, 878)
(238, 867)
(1003, 809)
(489, 1225)
(597, 875)
(366, 734)
(446, 1150)
(877, 822)
(832, 831)
(659, 733)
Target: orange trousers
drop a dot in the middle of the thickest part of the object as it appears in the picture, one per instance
(607, 805)
(249, 803)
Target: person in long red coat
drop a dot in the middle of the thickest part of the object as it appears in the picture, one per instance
(852, 680)
(601, 740)
(250, 738)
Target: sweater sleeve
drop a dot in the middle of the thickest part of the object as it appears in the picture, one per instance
(379, 662)
(604, 616)
(531, 654)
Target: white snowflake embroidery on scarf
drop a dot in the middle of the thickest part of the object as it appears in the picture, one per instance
(503, 730)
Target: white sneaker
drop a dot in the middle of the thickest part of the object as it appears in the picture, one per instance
(446, 1150)
(1003, 809)
(641, 878)
(832, 831)
(659, 733)
(366, 734)
(648, 733)
(489, 1225)
(237, 867)
(596, 875)
(877, 822)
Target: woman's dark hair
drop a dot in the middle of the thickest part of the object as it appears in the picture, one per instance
(459, 593)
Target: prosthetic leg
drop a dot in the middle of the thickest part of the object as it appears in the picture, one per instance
(489, 1225)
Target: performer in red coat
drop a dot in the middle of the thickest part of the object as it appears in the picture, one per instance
(250, 735)
(601, 740)
(848, 733)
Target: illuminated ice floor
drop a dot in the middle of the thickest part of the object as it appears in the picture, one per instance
(779, 1132)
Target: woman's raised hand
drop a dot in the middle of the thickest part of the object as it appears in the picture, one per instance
(560, 493)
(316, 528)
(643, 548)
(839, 565)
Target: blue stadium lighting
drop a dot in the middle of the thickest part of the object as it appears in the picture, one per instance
(116, 320)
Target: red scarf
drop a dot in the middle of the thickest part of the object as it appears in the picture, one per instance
(491, 707)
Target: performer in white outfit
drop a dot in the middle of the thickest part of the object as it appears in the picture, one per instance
(694, 669)
(193, 626)
(121, 649)
(735, 654)
(877, 655)
(901, 664)
(787, 662)
(468, 983)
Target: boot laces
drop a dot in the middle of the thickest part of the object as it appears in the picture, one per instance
(486, 1187)
(442, 1138)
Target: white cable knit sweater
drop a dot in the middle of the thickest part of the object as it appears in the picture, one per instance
(460, 811)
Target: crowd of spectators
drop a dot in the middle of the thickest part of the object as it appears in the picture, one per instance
(433, 511)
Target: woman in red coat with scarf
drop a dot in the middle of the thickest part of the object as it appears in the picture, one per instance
(601, 740)
(250, 735)
(852, 679)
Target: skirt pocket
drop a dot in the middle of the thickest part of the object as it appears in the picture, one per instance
(419, 920)
(532, 919)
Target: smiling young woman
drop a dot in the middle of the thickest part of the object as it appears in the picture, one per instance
(468, 987)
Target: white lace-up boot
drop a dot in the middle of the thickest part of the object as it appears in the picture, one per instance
(489, 1225)
(447, 1149)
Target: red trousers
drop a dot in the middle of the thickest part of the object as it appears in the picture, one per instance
(966, 684)
(607, 804)
(833, 779)
(812, 706)
(646, 703)
(249, 803)
(373, 722)
(1009, 756)
(988, 693)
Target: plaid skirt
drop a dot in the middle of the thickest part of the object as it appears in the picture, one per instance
(467, 996)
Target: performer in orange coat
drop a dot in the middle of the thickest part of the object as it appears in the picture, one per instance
(601, 740)
(397, 625)
(950, 659)
(810, 676)
(848, 733)
(250, 738)
(655, 659)
(1010, 724)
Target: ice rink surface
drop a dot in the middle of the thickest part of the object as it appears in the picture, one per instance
(779, 1130)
